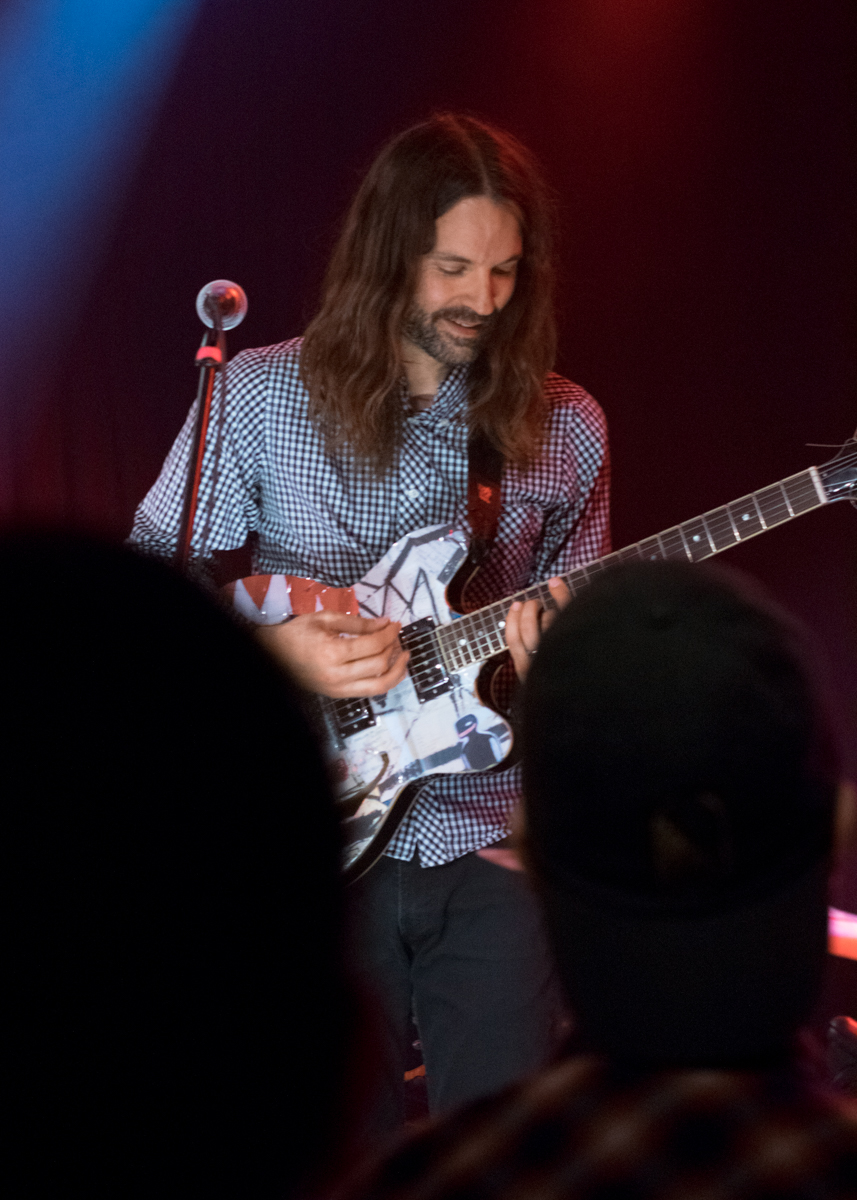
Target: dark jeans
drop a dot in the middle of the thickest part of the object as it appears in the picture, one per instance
(462, 947)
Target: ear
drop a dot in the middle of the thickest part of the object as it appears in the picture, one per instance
(845, 821)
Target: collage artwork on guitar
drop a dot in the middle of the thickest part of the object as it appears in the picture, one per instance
(348, 457)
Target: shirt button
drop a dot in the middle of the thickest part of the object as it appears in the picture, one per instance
(412, 493)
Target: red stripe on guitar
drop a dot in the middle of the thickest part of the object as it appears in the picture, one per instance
(307, 596)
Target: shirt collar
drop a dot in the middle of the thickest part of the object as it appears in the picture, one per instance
(451, 397)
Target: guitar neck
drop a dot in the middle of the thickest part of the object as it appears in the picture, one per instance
(479, 635)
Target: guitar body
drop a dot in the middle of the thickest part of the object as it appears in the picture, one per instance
(432, 722)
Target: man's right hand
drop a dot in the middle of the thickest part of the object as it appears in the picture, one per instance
(337, 655)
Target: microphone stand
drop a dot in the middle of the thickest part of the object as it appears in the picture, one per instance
(210, 358)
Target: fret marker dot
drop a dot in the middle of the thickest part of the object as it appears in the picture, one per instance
(501, 625)
(462, 641)
(745, 517)
(696, 537)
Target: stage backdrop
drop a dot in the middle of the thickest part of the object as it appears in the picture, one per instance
(702, 156)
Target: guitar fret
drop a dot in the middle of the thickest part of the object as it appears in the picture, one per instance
(711, 541)
(475, 633)
(459, 646)
(493, 636)
(446, 659)
(803, 492)
(821, 491)
(732, 523)
(472, 638)
(696, 539)
(480, 635)
(771, 502)
(580, 577)
(486, 640)
(650, 549)
(745, 517)
(500, 611)
(583, 576)
(477, 643)
(672, 543)
(684, 543)
(720, 529)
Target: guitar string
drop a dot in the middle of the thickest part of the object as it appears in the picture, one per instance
(444, 642)
(802, 487)
(468, 623)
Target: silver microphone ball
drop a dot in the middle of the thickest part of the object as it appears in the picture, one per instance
(226, 297)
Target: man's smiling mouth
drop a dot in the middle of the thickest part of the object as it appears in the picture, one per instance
(462, 326)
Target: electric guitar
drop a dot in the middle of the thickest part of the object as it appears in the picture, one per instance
(434, 722)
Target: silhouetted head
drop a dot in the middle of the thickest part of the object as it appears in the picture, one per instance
(180, 1015)
(680, 783)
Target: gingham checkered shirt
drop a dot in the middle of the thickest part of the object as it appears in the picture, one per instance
(266, 473)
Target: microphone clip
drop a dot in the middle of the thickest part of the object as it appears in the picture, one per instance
(211, 353)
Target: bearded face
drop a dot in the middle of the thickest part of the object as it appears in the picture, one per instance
(451, 336)
(464, 281)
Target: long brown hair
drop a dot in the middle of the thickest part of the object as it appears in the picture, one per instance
(351, 356)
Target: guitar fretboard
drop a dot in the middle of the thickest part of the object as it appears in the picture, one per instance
(479, 635)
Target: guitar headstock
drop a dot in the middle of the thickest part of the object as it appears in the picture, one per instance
(839, 476)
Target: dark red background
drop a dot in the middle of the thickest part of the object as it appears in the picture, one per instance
(702, 150)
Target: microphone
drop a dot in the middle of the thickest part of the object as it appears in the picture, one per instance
(223, 297)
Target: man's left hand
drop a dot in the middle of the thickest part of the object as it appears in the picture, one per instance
(526, 622)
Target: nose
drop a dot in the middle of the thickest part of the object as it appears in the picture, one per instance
(484, 298)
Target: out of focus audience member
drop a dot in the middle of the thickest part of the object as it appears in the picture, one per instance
(842, 1052)
(178, 1016)
(682, 806)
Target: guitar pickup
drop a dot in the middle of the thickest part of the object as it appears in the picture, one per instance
(426, 669)
(352, 715)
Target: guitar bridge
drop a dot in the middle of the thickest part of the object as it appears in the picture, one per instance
(426, 669)
(336, 720)
(352, 715)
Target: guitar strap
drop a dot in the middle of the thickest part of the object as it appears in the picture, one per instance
(484, 473)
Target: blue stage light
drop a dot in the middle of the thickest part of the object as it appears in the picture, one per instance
(79, 83)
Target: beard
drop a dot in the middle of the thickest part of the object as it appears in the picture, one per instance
(421, 328)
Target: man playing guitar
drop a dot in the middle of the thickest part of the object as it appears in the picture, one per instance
(436, 326)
